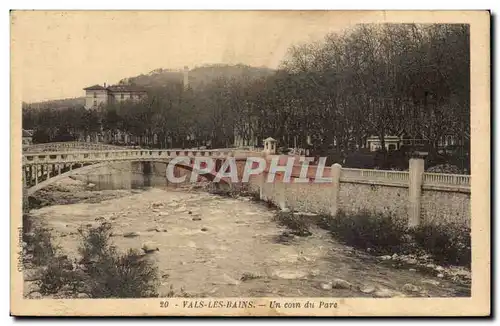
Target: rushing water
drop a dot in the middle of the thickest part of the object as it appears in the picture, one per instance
(224, 247)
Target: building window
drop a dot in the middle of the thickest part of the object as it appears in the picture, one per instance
(95, 94)
(95, 102)
(122, 97)
(131, 96)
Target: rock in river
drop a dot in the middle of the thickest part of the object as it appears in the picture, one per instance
(367, 289)
(338, 283)
(326, 286)
(384, 293)
(410, 288)
(130, 234)
(149, 247)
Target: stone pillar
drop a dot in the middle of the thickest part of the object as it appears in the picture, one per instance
(336, 171)
(147, 173)
(281, 194)
(415, 190)
(262, 180)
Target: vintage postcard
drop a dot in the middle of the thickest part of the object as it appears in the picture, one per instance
(250, 163)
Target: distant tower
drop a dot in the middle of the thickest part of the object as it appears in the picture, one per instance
(186, 77)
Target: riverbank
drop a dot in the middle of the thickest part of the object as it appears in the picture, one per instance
(210, 245)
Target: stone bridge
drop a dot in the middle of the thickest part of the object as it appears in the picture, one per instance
(43, 168)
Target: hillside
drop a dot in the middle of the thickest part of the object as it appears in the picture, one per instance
(197, 76)
(162, 77)
(57, 104)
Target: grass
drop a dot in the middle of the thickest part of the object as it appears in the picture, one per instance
(448, 244)
(39, 244)
(384, 234)
(296, 223)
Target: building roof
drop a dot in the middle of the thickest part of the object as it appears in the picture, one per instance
(386, 137)
(95, 88)
(271, 139)
(125, 88)
(116, 88)
(27, 133)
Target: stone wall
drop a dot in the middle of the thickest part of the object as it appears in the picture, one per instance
(438, 206)
(309, 197)
(444, 207)
(393, 200)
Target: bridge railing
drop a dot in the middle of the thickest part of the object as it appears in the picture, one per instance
(447, 179)
(59, 146)
(123, 154)
(402, 177)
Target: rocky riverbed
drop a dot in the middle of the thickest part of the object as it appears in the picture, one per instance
(210, 245)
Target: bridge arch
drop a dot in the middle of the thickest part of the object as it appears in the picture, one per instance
(83, 168)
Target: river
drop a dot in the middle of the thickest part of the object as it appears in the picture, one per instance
(217, 246)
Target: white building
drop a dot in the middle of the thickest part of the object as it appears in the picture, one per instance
(392, 143)
(396, 142)
(97, 95)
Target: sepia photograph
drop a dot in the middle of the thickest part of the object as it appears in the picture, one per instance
(250, 163)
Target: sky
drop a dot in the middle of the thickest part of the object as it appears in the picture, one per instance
(56, 54)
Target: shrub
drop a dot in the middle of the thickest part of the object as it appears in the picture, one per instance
(44, 249)
(127, 275)
(59, 274)
(111, 274)
(103, 272)
(448, 244)
(323, 221)
(96, 242)
(27, 225)
(38, 241)
(382, 233)
(294, 222)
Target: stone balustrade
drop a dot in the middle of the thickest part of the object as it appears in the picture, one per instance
(401, 177)
(447, 179)
(124, 155)
(73, 145)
